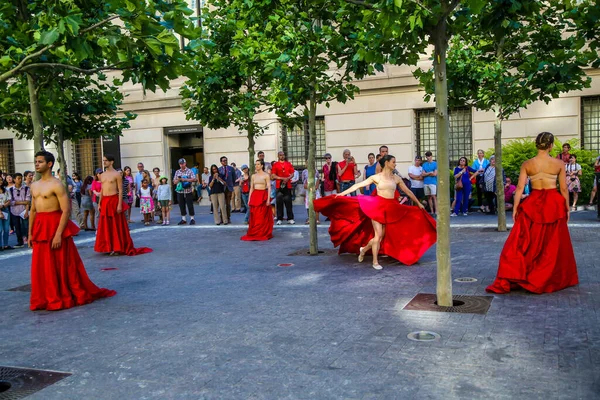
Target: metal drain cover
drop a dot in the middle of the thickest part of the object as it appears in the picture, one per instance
(17, 383)
(462, 304)
(24, 288)
(465, 280)
(423, 336)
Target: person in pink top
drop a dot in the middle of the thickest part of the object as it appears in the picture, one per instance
(509, 192)
(96, 190)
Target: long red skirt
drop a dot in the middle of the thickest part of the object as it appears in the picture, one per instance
(261, 218)
(538, 254)
(409, 231)
(58, 277)
(113, 231)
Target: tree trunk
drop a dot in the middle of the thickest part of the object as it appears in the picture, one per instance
(444, 268)
(499, 175)
(251, 142)
(311, 165)
(60, 149)
(36, 116)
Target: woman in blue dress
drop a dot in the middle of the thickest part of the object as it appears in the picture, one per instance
(370, 170)
(463, 175)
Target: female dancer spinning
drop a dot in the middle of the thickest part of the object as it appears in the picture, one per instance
(261, 219)
(538, 254)
(402, 232)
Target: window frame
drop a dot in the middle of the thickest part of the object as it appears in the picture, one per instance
(9, 167)
(299, 162)
(79, 164)
(592, 144)
(454, 139)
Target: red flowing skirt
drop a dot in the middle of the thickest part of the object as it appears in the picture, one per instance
(113, 230)
(58, 276)
(538, 254)
(260, 225)
(409, 231)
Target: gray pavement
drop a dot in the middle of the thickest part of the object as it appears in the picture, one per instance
(208, 316)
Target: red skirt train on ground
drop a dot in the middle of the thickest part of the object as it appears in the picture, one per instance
(409, 231)
(260, 225)
(58, 276)
(113, 230)
(538, 254)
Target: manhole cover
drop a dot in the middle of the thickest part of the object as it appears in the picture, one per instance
(463, 280)
(108, 269)
(461, 304)
(24, 288)
(423, 336)
(17, 383)
(285, 265)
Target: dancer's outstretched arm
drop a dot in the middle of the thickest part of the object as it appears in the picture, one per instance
(357, 186)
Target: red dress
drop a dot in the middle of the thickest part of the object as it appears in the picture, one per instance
(538, 254)
(261, 218)
(58, 277)
(113, 230)
(409, 231)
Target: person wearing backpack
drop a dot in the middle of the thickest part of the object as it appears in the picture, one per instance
(20, 200)
(185, 192)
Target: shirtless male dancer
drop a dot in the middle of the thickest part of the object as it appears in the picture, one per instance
(58, 276)
(113, 231)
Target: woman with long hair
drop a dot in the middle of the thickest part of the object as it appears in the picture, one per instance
(261, 219)
(217, 196)
(463, 187)
(127, 177)
(538, 254)
(379, 223)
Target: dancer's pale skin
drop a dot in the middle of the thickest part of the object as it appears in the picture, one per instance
(386, 183)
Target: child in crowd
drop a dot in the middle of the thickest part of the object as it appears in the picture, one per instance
(87, 206)
(146, 203)
(164, 196)
(4, 218)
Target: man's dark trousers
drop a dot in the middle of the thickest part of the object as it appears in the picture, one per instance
(186, 199)
(284, 197)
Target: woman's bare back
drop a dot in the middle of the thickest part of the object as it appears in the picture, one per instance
(543, 171)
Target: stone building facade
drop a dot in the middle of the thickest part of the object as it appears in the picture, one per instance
(389, 110)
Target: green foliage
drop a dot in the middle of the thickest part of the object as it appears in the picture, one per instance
(511, 54)
(584, 16)
(78, 106)
(136, 37)
(228, 83)
(516, 152)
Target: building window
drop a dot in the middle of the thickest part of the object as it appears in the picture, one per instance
(294, 143)
(590, 123)
(460, 143)
(87, 154)
(7, 156)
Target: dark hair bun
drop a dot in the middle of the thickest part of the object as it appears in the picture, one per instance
(544, 140)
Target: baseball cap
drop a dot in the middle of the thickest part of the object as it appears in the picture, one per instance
(181, 160)
(418, 158)
(99, 170)
(244, 166)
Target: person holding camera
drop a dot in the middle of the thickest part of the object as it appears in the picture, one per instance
(282, 172)
(347, 172)
(184, 177)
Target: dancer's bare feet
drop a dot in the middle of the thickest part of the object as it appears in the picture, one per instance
(361, 254)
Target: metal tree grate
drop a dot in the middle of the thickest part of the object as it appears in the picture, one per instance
(18, 383)
(462, 304)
